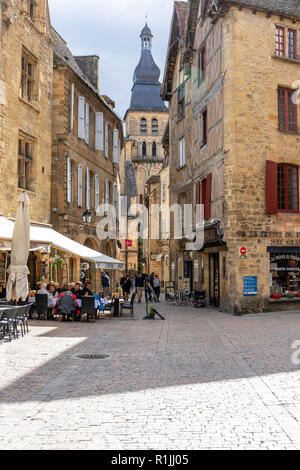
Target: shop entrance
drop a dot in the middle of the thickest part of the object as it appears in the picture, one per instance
(214, 279)
(188, 275)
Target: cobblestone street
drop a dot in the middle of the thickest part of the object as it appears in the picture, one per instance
(199, 380)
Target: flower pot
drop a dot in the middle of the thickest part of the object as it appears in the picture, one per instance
(276, 296)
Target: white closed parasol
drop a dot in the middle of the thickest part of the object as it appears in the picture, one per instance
(17, 284)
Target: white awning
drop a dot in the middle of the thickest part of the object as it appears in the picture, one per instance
(43, 237)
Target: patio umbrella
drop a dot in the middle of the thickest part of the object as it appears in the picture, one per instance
(17, 285)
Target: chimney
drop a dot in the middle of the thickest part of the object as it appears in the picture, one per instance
(90, 67)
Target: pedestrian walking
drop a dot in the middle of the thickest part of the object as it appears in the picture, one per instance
(127, 287)
(156, 283)
(105, 282)
(140, 286)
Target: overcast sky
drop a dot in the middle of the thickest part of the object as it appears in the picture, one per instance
(111, 30)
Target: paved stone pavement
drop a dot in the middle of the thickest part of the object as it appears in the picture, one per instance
(199, 380)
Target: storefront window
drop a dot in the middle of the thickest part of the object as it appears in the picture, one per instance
(285, 274)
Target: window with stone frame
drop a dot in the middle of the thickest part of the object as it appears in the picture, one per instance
(287, 110)
(288, 188)
(154, 149)
(181, 101)
(143, 126)
(286, 42)
(32, 6)
(201, 65)
(28, 76)
(154, 126)
(25, 162)
(144, 149)
(204, 128)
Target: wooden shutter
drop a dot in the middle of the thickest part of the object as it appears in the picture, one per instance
(99, 132)
(87, 123)
(79, 185)
(96, 192)
(116, 199)
(69, 181)
(81, 120)
(72, 107)
(271, 188)
(88, 189)
(208, 197)
(106, 140)
(116, 146)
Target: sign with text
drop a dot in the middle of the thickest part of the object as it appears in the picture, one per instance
(128, 243)
(250, 286)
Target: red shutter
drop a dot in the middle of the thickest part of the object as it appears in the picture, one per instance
(208, 197)
(271, 188)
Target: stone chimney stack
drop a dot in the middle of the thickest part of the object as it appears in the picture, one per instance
(90, 67)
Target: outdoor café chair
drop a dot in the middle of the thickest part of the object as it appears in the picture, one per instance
(128, 306)
(41, 305)
(8, 325)
(88, 307)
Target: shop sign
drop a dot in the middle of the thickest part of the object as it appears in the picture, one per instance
(128, 243)
(85, 267)
(250, 286)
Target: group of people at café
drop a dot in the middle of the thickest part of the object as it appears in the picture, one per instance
(68, 297)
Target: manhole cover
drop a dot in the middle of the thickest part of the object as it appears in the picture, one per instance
(92, 356)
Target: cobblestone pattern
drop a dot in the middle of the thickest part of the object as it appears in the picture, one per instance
(199, 380)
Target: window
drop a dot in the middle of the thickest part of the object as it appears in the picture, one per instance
(88, 189)
(201, 66)
(282, 188)
(292, 43)
(182, 158)
(143, 126)
(206, 196)
(154, 149)
(29, 65)
(286, 42)
(181, 101)
(287, 110)
(287, 188)
(154, 126)
(204, 128)
(25, 161)
(280, 42)
(144, 149)
(70, 181)
(32, 10)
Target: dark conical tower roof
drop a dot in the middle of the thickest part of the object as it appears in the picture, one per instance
(146, 86)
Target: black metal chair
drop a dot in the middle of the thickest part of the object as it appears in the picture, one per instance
(8, 324)
(129, 306)
(41, 305)
(88, 307)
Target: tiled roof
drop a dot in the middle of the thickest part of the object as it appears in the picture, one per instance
(287, 7)
(63, 56)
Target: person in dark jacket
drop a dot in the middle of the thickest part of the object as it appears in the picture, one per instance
(77, 291)
(87, 290)
(105, 282)
(67, 305)
(127, 287)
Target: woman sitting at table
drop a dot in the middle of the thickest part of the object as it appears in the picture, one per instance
(67, 305)
(87, 290)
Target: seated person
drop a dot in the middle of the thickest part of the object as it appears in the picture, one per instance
(77, 291)
(87, 290)
(67, 305)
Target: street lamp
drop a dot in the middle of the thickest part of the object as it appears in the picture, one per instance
(87, 217)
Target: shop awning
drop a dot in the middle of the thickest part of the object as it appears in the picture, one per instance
(44, 237)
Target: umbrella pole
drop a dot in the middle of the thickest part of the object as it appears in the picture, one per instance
(5, 270)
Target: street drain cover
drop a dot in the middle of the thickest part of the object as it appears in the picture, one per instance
(92, 356)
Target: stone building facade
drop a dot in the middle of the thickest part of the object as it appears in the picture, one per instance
(86, 146)
(26, 70)
(243, 58)
(145, 120)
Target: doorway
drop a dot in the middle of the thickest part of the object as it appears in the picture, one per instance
(188, 275)
(214, 279)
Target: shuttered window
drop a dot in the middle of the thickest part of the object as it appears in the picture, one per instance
(97, 192)
(88, 189)
(282, 188)
(87, 123)
(287, 110)
(79, 170)
(99, 132)
(206, 196)
(72, 107)
(116, 146)
(182, 158)
(70, 190)
(81, 117)
(116, 199)
(106, 140)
